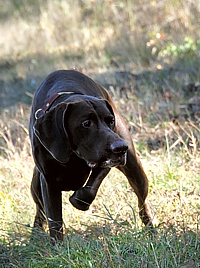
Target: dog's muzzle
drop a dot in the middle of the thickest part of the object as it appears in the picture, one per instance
(117, 156)
(121, 161)
(109, 163)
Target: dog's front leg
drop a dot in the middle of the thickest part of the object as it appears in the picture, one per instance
(52, 198)
(83, 197)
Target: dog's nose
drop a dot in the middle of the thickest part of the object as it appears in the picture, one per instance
(119, 147)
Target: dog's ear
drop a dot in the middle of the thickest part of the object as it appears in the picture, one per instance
(50, 131)
(109, 107)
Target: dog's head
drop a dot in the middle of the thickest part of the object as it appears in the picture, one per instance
(84, 126)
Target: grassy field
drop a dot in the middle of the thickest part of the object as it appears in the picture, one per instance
(147, 55)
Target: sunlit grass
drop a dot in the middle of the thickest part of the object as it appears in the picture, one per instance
(110, 234)
(156, 44)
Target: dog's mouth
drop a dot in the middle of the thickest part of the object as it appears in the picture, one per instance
(109, 163)
(92, 164)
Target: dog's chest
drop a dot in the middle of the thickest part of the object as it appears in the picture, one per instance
(71, 176)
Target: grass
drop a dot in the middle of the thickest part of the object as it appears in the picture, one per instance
(110, 233)
(126, 249)
(147, 56)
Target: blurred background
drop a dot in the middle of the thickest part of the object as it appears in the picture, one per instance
(97, 37)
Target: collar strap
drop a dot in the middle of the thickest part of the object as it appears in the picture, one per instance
(50, 101)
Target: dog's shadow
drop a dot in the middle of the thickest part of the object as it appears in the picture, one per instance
(25, 244)
(103, 243)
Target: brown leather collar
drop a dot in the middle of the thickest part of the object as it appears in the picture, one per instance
(48, 104)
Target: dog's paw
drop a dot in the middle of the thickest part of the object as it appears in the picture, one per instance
(81, 199)
(78, 203)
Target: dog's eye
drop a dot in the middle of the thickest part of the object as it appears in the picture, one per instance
(86, 124)
(110, 121)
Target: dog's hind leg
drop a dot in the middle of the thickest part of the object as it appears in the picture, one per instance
(135, 174)
(139, 182)
(40, 219)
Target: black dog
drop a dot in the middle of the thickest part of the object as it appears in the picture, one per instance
(75, 128)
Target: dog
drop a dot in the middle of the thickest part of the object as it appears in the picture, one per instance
(77, 135)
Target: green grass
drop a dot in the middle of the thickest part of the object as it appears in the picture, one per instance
(110, 233)
(127, 248)
(147, 55)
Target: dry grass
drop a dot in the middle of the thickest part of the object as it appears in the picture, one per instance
(112, 223)
(147, 55)
(99, 28)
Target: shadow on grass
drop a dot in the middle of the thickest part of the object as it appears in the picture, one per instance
(20, 78)
(110, 245)
(26, 10)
